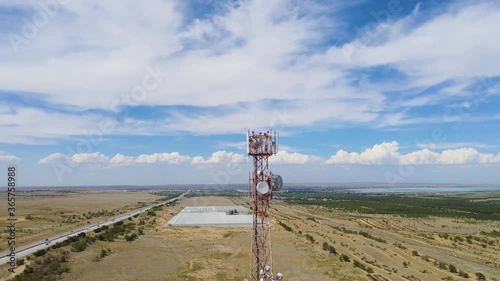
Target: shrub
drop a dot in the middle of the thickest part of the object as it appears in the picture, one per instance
(103, 253)
(463, 274)
(310, 238)
(369, 236)
(40, 253)
(480, 276)
(47, 268)
(444, 235)
(286, 227)
(362, 266)
(442, 265)
(79, 246)
(345, 258)
(131, 237)
(28, 269)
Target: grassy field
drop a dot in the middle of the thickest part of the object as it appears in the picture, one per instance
(42, 214)
(312, 240)
(482, 206)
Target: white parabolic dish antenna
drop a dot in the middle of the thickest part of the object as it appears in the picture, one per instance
(263, 187)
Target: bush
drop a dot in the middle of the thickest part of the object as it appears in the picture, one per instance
(469, 239)
(79, 246)
(40, 253)
(131, 237)
(369, 236)
(362, 266)
(463, 274)
(452, 268)
(20, 262)
(28, 269)
(399, 246)
(345, 258)
(286, 227)
(480, 276)
(103, 253)
(329, 248)
(47, 268)
(310, 238)
(444, 235)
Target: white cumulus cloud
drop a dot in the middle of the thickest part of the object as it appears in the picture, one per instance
(8, 157)
(378, 154)
(220, 157)
(117, 160)
(388, 153)
(285, 157)
(120, 159)
(54, 157)
(95, 157)
(169, 158)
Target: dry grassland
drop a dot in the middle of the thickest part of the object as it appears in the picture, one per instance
(387, 247)
(55, 212)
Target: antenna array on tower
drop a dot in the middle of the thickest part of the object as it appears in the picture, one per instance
(262, 183)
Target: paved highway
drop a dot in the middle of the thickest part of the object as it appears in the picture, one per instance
(24, 251)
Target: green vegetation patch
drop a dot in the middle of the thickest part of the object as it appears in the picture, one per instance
(46, 268)
(401, 204)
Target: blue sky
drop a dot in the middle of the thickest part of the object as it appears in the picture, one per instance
(163, 92)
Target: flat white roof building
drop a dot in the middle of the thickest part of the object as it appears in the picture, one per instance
(217, 216)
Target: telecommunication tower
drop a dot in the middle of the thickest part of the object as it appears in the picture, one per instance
(262, 183)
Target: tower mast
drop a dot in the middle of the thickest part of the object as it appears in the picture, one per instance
(262, 183)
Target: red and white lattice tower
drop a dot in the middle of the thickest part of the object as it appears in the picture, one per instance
(262, 183)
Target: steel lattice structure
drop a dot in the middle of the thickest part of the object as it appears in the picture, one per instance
(261, 184)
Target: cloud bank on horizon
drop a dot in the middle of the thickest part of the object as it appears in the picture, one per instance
(108, 86)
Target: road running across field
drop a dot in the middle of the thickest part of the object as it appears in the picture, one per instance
(24, 251)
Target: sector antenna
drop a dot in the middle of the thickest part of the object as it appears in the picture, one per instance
(262, 184)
